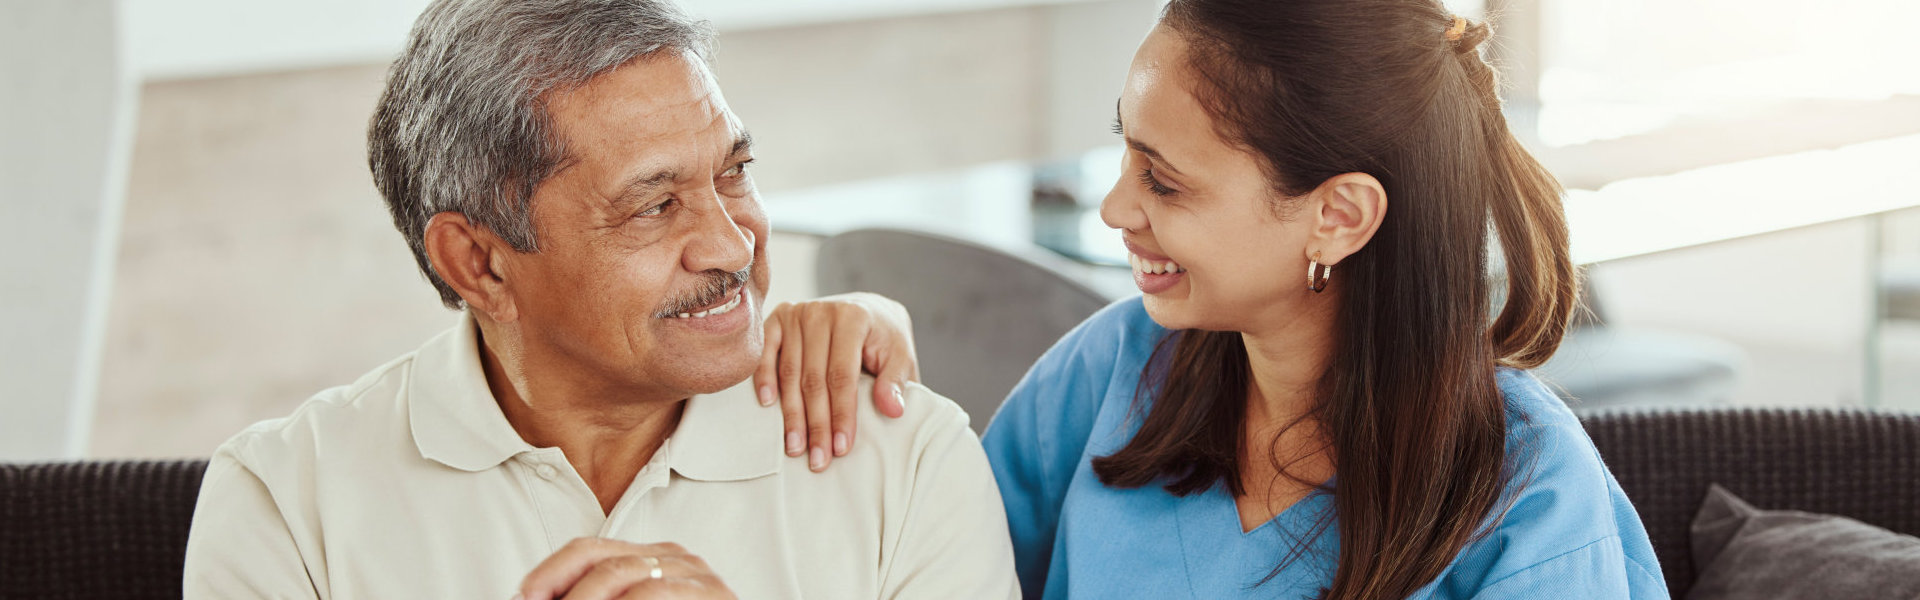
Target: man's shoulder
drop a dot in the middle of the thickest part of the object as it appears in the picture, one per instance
(728, 433)
(354, 410)
(896, 462)
(890, 452)
(927, 417)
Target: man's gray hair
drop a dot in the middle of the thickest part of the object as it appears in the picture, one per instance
(462, 126)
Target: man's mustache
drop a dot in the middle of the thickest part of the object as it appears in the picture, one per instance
(717, 285)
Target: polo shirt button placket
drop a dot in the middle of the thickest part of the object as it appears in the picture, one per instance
(546, 471)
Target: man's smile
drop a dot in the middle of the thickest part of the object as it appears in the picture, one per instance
(719, 307)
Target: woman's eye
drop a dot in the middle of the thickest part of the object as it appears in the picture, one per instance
(1153, 184)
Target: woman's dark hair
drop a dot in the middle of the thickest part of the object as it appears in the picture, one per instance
(1408, 408)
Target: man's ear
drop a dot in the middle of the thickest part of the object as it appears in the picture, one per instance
(466, 256)
(1348, 209)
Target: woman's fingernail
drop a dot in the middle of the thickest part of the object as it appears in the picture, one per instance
(793, 443)
(766, 395)
(818, 460)
(900, 398)
(840, 444)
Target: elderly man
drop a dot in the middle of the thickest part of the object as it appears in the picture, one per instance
(567, 173)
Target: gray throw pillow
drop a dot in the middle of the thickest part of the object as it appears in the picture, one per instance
(1744, 552)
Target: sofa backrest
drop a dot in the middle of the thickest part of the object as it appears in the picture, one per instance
(85, 530)
(1855, 463)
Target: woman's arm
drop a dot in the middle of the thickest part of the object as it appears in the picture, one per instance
(1038, 438)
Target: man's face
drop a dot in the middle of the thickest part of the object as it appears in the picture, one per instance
(652, 217)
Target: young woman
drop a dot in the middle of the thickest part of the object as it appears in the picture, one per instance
(1360, 431)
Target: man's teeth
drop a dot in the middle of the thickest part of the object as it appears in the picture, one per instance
(1141, 265)
(716, 311)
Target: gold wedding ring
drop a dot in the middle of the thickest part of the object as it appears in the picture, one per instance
(653, 566)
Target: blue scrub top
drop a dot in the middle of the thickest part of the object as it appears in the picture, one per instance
(1570, 532)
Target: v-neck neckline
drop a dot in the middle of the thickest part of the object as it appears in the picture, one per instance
(1208, 518)
(1232, 508)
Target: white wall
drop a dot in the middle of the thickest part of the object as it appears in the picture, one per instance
(173, 39)
(1796, 301)
(65, 130)
(1089, 48)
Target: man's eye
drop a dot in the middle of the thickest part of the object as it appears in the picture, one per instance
(657, 209)
(737, 170)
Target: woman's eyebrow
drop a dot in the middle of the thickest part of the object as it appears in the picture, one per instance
(1139, 146)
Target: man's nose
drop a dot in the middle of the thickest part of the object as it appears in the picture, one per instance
(719, 242)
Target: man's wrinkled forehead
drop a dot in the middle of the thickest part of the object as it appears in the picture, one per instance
(667, 96)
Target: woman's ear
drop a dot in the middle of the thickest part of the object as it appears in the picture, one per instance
(1348, 209)
(467, 256)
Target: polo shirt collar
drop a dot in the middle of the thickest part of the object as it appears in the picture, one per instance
(727, 436)
(452, 412)
(455, 420)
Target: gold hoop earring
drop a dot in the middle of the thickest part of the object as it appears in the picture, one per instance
(1324, 272)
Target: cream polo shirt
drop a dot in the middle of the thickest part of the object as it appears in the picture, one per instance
(409, 483)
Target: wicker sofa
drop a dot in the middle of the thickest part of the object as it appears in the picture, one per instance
(118, 529)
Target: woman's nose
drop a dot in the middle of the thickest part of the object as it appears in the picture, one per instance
(1121, 208)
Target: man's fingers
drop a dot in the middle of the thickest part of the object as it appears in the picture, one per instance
(615, 576)
(607, 579)
(704, 586)
(561, 571)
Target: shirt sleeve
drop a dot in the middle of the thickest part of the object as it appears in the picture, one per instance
(1567, 531)
(239, 545)
(1596, 570)
(953, 543)
(1039, 436)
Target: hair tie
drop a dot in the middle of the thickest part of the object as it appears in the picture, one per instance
(1459, 27)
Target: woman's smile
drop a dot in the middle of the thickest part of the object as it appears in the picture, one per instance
(1153, 273)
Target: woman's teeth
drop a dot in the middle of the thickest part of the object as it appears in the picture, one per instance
(1141, 265)
(716, 311)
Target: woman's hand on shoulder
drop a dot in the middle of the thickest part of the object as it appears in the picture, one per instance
(811, 365)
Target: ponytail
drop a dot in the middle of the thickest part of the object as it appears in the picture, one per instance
(1542, 283)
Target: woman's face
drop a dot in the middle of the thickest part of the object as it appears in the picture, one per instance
(1213, 245)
